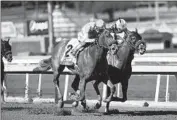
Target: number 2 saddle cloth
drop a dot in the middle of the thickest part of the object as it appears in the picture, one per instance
(68, 59)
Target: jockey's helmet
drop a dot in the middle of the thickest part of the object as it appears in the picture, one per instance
(100, 23)
(121, 24)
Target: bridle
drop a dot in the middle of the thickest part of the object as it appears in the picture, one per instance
(134, 46)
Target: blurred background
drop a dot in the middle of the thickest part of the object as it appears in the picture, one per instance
(35, 26)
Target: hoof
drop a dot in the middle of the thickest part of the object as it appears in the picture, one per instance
(107, 100)
(74, 96)
(97, 105)
(75, 104)
(106, 112)
(60, 104)
(80, 98)
(83, 103)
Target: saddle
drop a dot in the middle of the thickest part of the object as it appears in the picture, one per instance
(68, 58)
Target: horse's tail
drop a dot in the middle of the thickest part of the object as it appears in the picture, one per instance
(44, 65)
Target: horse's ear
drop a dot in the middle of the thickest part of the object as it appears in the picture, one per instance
(8, 39)
(136, 30)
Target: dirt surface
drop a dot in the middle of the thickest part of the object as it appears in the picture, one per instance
(16, 111)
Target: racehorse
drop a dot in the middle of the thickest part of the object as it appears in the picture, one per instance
(6, 53)
(120, 68)
(92, 65)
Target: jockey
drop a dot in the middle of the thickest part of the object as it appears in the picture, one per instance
(86, 35)
(119, 30)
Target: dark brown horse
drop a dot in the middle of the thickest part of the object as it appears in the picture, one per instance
(120, 68)
(7, 54)
(92, 65)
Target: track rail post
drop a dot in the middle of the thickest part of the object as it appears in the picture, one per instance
(39, 90)
(157, 88)
(27, 88)
(167, 89)
(104, 91)
(66, 87)
(118, 90)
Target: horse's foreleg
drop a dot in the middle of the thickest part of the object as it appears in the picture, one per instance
(108, 103)
(95, 85)
(124, 90)
(82, 87)
(75, 86)
(75, 83)
(112, 89)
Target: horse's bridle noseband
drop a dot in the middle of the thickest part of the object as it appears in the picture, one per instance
(134, 46)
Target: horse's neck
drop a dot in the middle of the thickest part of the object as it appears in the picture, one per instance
(95, 51)
(125, 52)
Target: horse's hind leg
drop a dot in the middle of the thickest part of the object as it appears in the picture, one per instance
(58, 94)
(95, 85)
(81, 91)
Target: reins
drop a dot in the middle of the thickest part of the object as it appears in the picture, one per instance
(134, 46)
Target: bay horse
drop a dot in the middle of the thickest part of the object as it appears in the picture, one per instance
(120, 68)
(92, 65)
(7, 54)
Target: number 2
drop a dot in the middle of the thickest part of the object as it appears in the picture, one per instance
(69, 47)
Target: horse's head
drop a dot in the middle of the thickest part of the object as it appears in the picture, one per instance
(6, 50)
(136, 42)
(106, 39)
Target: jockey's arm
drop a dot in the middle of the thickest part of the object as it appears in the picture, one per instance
(84, 37)
(87, 39)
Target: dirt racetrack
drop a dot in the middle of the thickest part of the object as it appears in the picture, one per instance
(17, 111)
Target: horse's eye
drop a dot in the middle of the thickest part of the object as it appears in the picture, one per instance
(133, 38)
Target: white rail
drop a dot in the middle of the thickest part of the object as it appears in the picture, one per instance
(25, 65)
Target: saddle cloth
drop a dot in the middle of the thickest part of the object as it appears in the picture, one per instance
(68, 58)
